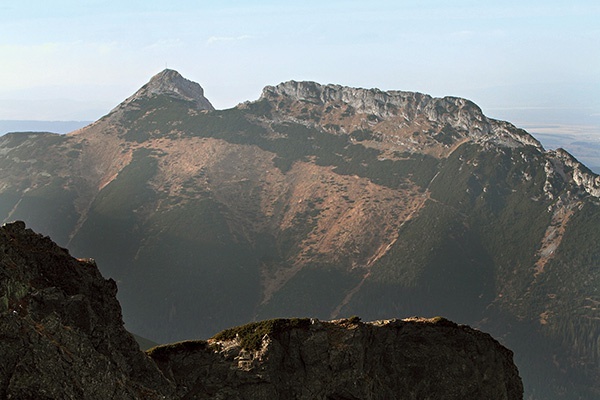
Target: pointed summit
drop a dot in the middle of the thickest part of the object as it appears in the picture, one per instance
(170, 82)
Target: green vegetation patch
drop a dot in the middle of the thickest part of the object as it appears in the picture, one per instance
(16, 139)
(250, 335)
(303, 143)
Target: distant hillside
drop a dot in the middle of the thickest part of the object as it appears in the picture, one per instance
(7, 126)
(325, 201)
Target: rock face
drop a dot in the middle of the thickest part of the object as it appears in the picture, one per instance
(464, 117)
(345, 359)
(62, 337)
(61, 332)
(172, 84)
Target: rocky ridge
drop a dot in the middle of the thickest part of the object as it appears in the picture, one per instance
(61, 336)
(462, 115)
(343, 359)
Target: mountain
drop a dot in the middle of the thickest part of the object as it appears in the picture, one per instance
(325, 201)
(62, 337)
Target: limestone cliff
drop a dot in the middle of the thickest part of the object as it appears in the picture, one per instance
(451, 119)
(62, 337)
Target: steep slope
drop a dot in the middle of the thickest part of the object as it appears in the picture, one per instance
(62, 337)
(61, 333)
(326, 201)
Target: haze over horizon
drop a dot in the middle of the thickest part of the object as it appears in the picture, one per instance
(529, 63)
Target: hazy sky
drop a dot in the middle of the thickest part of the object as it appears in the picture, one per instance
(76, 59)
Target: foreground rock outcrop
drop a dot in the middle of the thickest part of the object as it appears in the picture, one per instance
(343, 359)
(62, 337)
(61, 331)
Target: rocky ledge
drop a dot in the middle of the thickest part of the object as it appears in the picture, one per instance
(343, 359)
(62, 336)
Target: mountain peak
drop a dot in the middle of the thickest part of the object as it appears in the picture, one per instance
(170, 82)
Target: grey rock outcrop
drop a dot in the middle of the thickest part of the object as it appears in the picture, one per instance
(170, 82)
(343, 359)
(460, 114)
(370, 101)
(565, 166)
(61, 331)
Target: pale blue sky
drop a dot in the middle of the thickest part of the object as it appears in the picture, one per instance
(530, 60)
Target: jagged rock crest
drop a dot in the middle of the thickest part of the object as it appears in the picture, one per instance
(170, 82)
